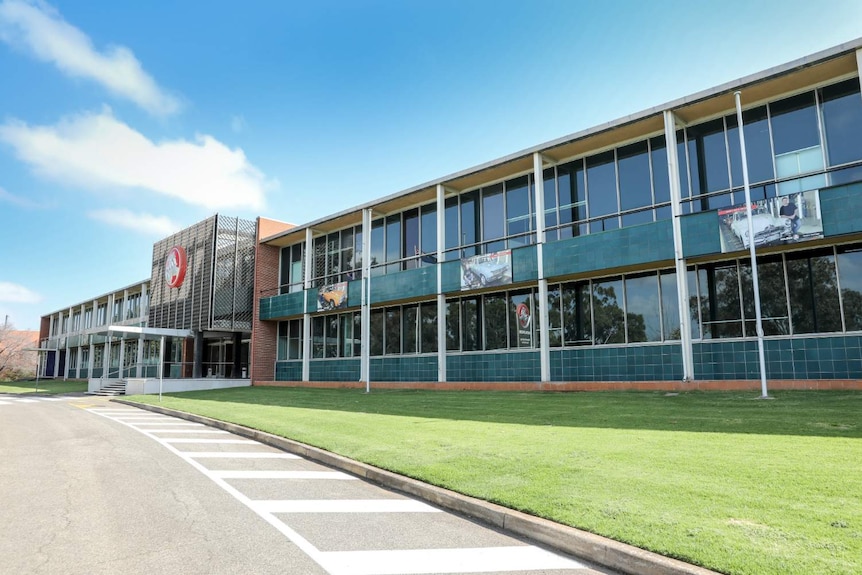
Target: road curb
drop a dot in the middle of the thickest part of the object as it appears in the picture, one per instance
(624, 558)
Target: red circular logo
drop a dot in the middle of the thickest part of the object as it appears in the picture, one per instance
(175, 267)
(523, 313)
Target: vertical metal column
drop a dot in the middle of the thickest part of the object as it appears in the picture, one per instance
(441, 297)
(140, 358)
(544, 342)
(365, 310)
(679, 259)
(306, 316)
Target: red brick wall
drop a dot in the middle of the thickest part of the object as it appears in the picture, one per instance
(264, 334)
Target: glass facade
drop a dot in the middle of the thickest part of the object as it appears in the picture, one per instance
(799, 142)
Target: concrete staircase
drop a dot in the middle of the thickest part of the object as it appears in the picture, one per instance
(112, 389)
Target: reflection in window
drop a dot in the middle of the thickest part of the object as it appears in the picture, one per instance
(773, 296)
(572, 206)
(850, 270)
(577, 319)
(555, 316)
(469, 224)
(643, 318)
(492, 218)
(494, 318)
(470, 324)
(813, 287)
(842, 122)
(453, 325)
(608, 317)
(634, 175)
(392, 343)
(522, 325)
(720, 286)
(602, 185)
(519, 216)
(375, 339)
(669, 306)
(410, 328)
(428, 319)
(410, 245)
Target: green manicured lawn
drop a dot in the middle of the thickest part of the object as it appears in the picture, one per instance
(44, 386)
(722, 480)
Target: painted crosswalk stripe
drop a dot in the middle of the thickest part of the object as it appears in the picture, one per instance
(256, 474)
(172, 424)
(175, 430)
(27, 400)
(239, 455)
(194, 440)
(414, 561)
(344, 506)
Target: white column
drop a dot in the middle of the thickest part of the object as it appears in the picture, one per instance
(140, 358)
(681, 272)
(365, 310)
(441, 297)
(122, 357)
(57, 353)
(306, 316)
(90, 360)
(544, 342)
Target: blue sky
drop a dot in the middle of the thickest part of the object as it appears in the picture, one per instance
(121, 122)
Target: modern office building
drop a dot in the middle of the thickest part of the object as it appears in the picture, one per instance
(614, 257)
(198, 300)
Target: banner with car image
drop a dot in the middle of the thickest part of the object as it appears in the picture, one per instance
(332, 296)
(784, 219)
(486, 270)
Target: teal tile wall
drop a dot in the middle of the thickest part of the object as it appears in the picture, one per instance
(288, 371)
(632, 363)
(616, 248)
(511, 366)
(343, 369)
(354, 293)
(279, 306)
(841, 207)
(404, 368)
(311, 296)
(403, 285)
(451, 276)
(838, 357)
(83, 373)
(700, 234)
(525, 264)
(97, 372)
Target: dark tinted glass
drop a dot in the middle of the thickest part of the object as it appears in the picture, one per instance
(794, 123)
(393, 330)
(608, 316)
(428, 320)
(570, 185)
(850, 271)
(660, 180)
(643, 318)
(410, 245)
(518, 213)
(842, 120)
(469, 223)
(470, 324)
(429, 230)
(602, 185)
(549, 186)
(410, 328)
(492, 212)
(634, 176)
(757, 147)
(453, 325)
(495, 321)
(451, 223)
(711, 155)
(376, 336)
(813, 286)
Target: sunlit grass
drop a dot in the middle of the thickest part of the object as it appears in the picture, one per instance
(723, 480)
(48, 386)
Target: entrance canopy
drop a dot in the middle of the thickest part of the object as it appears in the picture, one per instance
(155, 332)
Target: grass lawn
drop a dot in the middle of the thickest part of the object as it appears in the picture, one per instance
(722, 480)
(47, 386)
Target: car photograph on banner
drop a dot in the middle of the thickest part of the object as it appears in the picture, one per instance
(486, 270)
(775, 221)
(332, 296)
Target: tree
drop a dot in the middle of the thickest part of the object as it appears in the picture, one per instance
(15, 361)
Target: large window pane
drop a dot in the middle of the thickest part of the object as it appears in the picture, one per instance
(813, 287)
(660, 180)
(522, 320)
(492, 216)
(712, 159)
(608, 316)
(453, 325)
(773, 296)
(723, 314)
(331, 336)
(469, 223)
(393, 242)
(470, 325)
(643, 319)
(519, 220)
(794, 124)
(602, 185)
(393, 331)
(378, 247)
(410, 328)
(842, 120)
(757, 147)
(577, 319)
(669, 306)
(555, 316)
(494, 318)
(572, 193)
(634, 174)
(549, 187)
(850, 274)
(452, 226)
(410, 246)
(428, 319)
(429, 233)
(375, 340)
(317, 336)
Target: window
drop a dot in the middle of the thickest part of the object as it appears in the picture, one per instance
(842, 122)
(428, 225)
(469, 224)
(102, 314)
(643, 316)
(411, 242)
(813, 288)
(290, 340)
(519, 213)
(292, 279)
(375, 340)
(392, 343)
(573, 200)
(410, 329)
(601, 188)
(634, 173)
(608, 317)
(453, 325)
(88, 318)
(850, 271)
(492, 218)
(428, 320)
(494, 318)
(523, 327)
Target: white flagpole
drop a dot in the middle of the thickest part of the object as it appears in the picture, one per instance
(763, 391)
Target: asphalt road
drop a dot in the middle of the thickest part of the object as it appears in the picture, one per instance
(91, 487)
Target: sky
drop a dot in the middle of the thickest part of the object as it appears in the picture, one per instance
(123, 122)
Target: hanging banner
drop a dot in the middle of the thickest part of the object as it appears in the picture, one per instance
(332, 296)
(781, 220)
(486, 270)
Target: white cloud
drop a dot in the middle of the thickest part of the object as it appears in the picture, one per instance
(38, 28)
(144, 223)
(97, 151)
(17, 293)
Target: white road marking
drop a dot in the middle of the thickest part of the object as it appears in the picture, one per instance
(415, 561)
(240, 454)
(5, 403)
(171, 424)
(193, 440)
(256, 474)
(27, 400)
(345, 506)
(175, 430)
